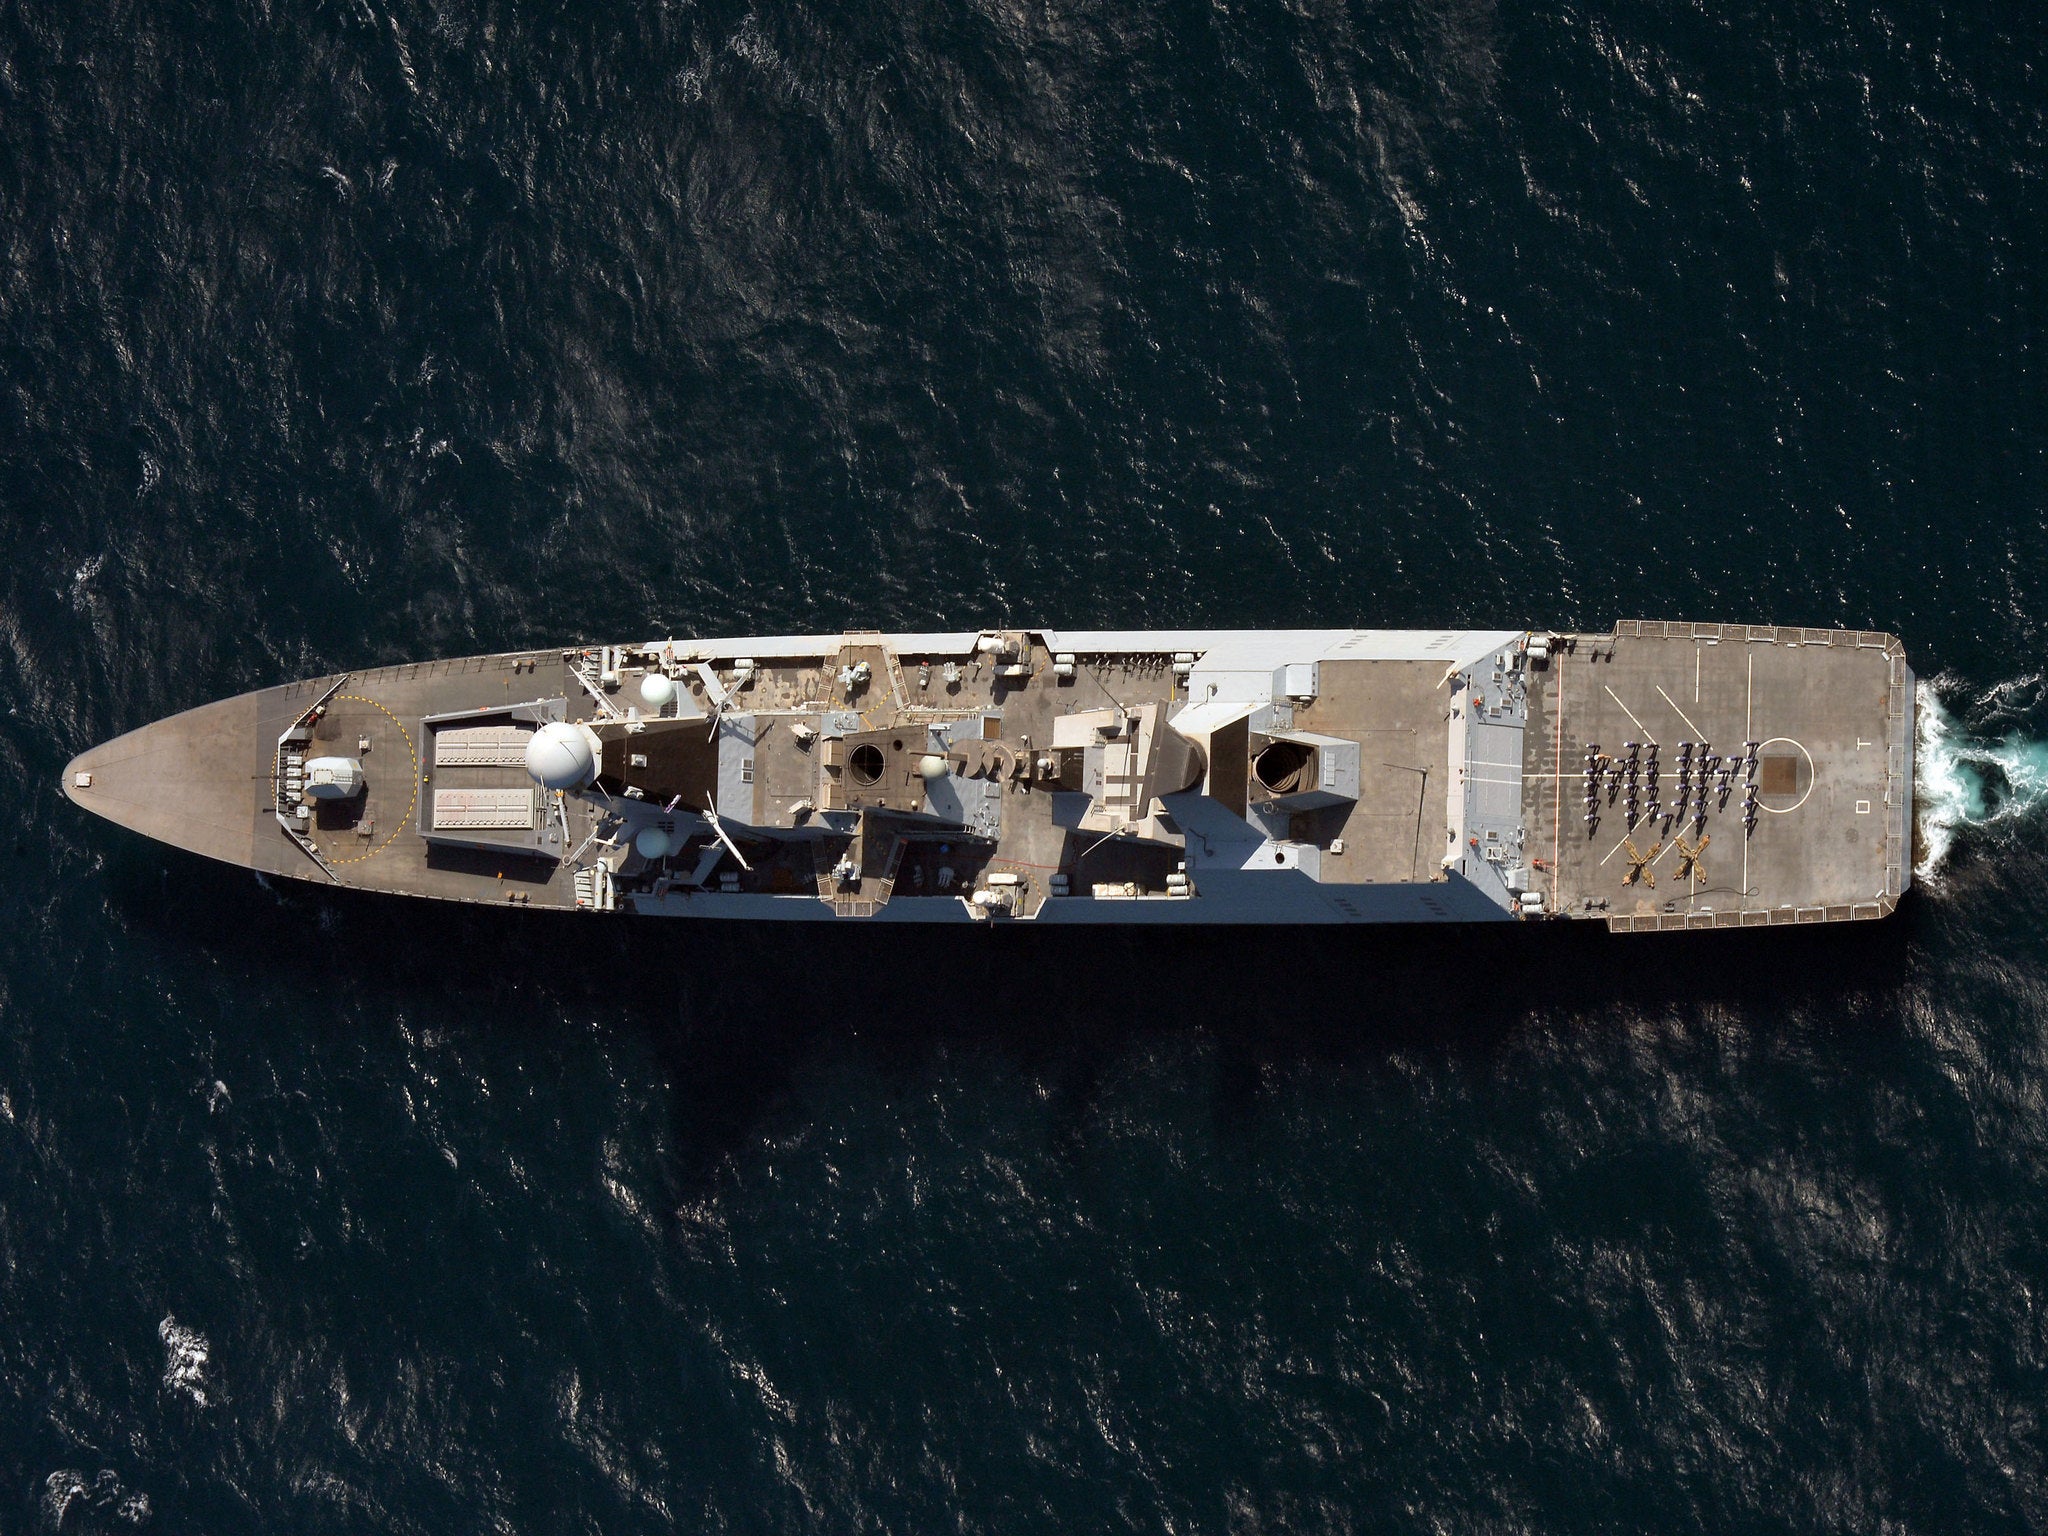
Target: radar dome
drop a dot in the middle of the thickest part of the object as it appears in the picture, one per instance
(652, 843)
(657, 691)
(562, 756)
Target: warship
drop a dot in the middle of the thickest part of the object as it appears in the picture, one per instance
(1660, 776)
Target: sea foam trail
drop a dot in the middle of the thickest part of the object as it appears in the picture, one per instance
(1967, 773)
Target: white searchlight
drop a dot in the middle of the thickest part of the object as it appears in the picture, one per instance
(562, 756)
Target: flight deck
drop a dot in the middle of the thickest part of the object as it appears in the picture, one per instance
(1830, 713)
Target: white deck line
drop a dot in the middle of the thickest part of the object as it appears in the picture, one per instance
(1648, 739)
(1557, 794)
(1697, 733)
(1748, 701)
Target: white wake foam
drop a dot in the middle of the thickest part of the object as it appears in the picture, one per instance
(186, 1353)
(1964, 778)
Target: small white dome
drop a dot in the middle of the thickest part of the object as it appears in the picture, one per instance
(562, 756)
(657, 691)
(932, 766)
(652, 843)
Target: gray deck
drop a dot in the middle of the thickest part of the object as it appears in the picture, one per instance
(1837, 703)
(1396, 711)
(202, 780)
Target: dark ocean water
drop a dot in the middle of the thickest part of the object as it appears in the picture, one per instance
(342, 332)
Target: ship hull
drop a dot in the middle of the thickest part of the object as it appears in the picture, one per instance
(1654, 777)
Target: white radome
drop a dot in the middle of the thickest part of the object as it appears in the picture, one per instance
(562, 756)
(652, 843)
(657, 691)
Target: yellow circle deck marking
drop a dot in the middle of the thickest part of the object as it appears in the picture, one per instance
(357, 698)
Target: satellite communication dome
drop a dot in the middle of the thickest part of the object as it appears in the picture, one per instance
(652, 843)
(562, 756)
(657, 691)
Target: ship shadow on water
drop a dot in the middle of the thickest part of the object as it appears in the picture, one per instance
(733, 1013)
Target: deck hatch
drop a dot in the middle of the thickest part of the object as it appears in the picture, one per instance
(481, 746)
(471, 810)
